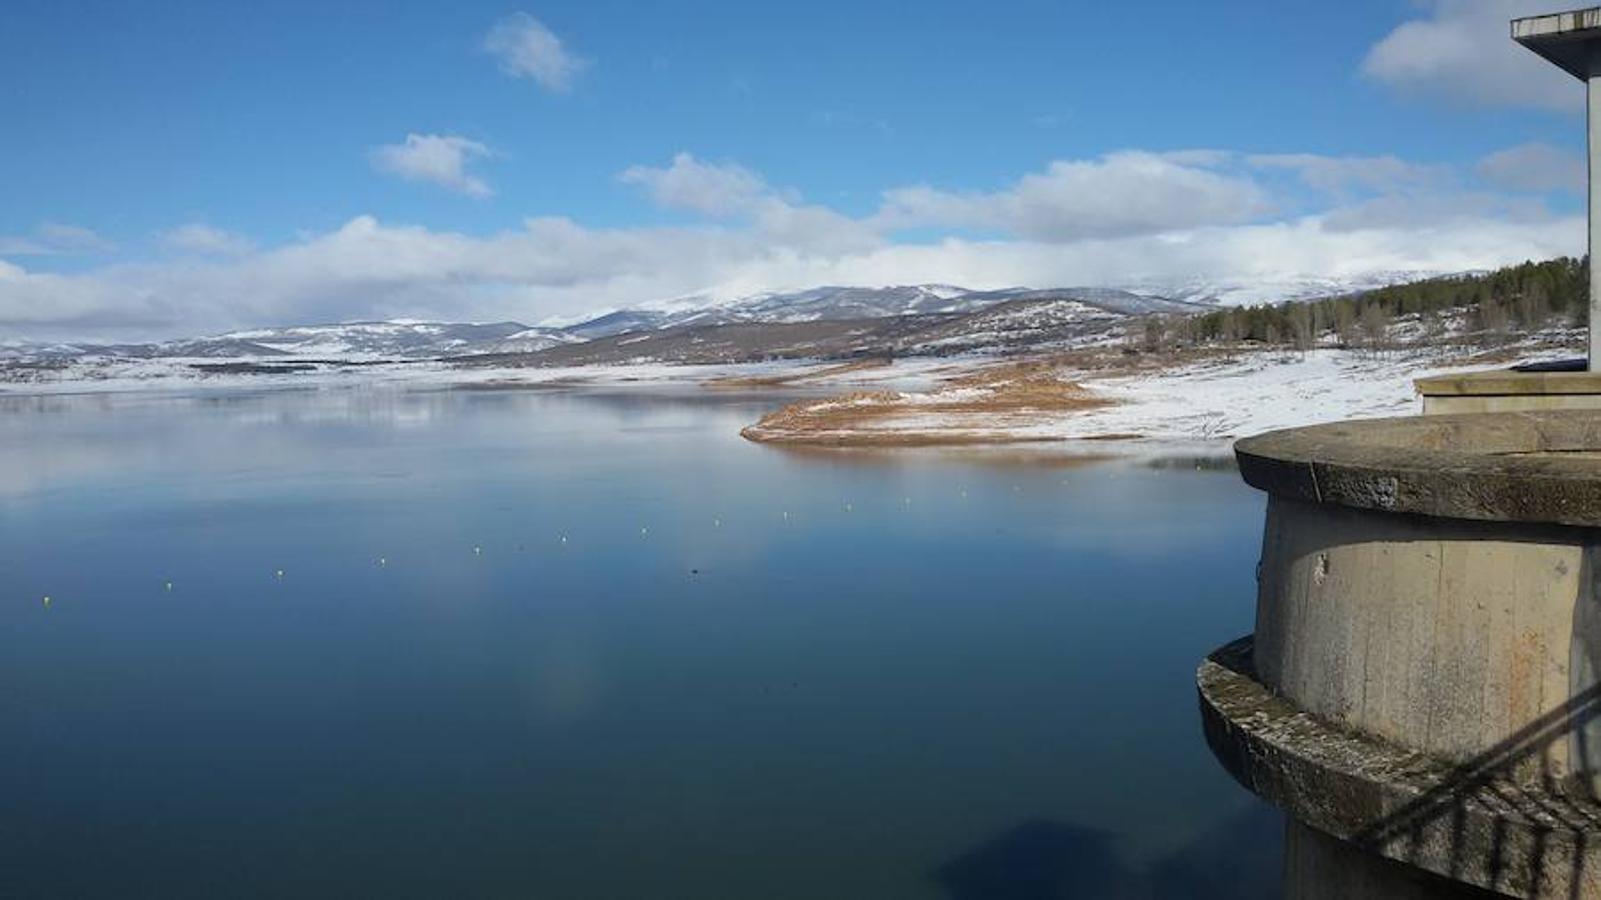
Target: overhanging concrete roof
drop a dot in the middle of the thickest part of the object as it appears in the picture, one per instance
(1572, 40)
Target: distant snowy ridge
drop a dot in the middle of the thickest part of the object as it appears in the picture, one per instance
(1279, 289)
(414, 339)
(843, 303)
(355, 341)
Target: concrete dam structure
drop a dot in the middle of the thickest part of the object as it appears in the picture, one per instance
(1421, 693)
(1422, 690)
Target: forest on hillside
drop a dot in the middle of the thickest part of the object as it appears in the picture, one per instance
(1487, 308)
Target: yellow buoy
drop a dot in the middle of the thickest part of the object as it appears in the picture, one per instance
(47, 601)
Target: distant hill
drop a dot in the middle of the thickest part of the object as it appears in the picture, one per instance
(843, 304)
(924, 318)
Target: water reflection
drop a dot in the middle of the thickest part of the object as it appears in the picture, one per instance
(1041, 859)
(607, 648)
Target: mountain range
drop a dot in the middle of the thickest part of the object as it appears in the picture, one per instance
(833, 320)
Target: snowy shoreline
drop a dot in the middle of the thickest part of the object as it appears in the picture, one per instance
(928, 401)
(1212, 400)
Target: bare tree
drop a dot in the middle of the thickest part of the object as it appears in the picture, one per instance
(1492, 322)
(1299, 320)
(1345, 325)
(1375, 328)
(1156, 334)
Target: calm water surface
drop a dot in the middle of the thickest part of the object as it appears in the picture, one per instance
(595, 645)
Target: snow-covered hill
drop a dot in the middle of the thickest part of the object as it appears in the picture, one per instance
(837, 303)
(379, 339)
(1277, 289)
(343, 341)
(1024, 315)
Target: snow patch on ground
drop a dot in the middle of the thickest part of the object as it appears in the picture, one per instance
(1249, 394)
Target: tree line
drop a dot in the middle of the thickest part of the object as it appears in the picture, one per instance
(1492, 307)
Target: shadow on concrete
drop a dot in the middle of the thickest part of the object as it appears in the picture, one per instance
(1045, 860)
(1491, 771)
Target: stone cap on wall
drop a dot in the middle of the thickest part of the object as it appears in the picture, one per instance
(1509, 383)
(1535, 467)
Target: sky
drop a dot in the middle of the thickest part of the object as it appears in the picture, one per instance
(192, 167)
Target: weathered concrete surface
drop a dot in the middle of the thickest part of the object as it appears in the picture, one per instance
(1500, 403)
(1320, 867)
(1465, 822)
(1424, 683)
(1442, 635)
(1535, 467)
(1504, 390)
(1511, 383)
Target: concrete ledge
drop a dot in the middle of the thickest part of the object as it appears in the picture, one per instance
(1537, 467)
(1463, 822)
(1505, 382)
(1505, 390)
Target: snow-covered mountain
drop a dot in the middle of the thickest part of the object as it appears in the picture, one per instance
(1278, 289)
(1030, 311)
(343, 341)
(530, 340)
(839, 303)
(380, 339)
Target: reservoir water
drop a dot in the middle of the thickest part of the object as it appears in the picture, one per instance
(591, 644)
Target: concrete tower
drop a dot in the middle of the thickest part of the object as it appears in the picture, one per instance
(1572, 40)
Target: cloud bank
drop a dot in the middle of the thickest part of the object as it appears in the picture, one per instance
(1130, 217)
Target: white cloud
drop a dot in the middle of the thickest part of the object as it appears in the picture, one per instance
(1535, 167)
(1460, 50)
(716, 189)
(728, 190)
(55, 239)
(763, 238)
(198, 237)
(1119, 194)
(438, 158)
(1346, 174)
(527, 49)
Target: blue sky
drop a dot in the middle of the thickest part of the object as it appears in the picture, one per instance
(189, 166)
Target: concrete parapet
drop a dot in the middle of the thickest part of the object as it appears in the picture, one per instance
(1509, 391)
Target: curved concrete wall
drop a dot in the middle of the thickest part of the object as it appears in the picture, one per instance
(1441, 635)
(1421, 694)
